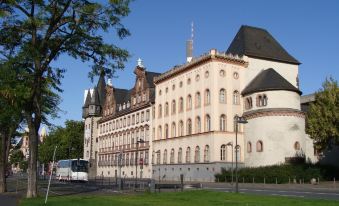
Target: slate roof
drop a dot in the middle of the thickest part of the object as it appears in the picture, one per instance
(95, 97)
(269, 80)
(88, 99)
(122, 95)
(150, 77)
(101, 89)
(259, 43)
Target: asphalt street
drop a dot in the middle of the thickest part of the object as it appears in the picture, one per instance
(300, 191)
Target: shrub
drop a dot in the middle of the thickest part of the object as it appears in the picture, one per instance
(284, 173)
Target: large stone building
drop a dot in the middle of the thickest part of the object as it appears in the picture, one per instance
(194, 108)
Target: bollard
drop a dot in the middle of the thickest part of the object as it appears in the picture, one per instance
(318, 180)
(334, 180)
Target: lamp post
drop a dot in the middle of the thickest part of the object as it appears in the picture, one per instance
(231, 144)
(238, 120)
(136, 163)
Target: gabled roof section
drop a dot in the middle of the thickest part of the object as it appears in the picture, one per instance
(150, 78)
(269, 80)
(259, 43)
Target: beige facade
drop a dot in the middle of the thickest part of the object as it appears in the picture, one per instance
(188, 127)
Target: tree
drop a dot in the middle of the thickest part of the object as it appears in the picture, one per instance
(16, 156)
(33, 34)
(322, 122)
(70, 141)
(10, 116)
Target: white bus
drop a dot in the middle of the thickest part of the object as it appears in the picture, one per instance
(72, 170)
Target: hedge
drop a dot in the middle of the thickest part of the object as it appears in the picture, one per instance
(285, 173)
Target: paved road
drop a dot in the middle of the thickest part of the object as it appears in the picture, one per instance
(8, 200)
(304, 191)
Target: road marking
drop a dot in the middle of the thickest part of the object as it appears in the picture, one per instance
(287, 195)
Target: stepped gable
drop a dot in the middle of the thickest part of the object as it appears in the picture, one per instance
(269, 80)
(259, 43)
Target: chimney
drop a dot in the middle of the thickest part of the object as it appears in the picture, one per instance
(189, 50)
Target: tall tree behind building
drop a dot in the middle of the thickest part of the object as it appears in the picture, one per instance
(322, 122)
(38, 32)
(69, 139)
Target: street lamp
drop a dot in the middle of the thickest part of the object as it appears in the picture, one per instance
(136, 163)
(238, 120)
(231, 144)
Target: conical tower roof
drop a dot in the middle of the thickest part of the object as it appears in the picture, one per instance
(269, 80)
(88, 99)
(101, 89)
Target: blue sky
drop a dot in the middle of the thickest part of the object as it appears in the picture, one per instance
(308, 30)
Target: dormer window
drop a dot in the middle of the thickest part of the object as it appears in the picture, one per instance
(120, 107)
(128, 104)
(138, 99)
(124, 106)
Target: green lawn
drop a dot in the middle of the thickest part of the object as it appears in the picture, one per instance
(188, 198)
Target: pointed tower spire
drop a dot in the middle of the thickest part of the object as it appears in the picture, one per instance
(101, 89)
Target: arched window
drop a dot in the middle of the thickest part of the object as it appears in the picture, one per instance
(189, 102)
(159, 110)
(181, 128)
(207, 97)
(248, 103)
(236, 97)
(197, 125)
(297, 146)
(222, 96)
(197, 100)
(235, 119)
(172, 156)
(165, 157)
(166, 109)
(166, 131)
(223, 122)
(238, 153)
(264, 100)
(189, 127)
(180, 155)
(207, 123)
(181, 104)
(173, 107)
(188, 155)
(249, 147)
(173, 129)
(158, 157)
(159, 132)
(207, 153)
(197, 154)
(223, 152)
(260, 146)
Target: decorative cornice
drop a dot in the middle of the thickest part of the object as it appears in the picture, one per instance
(212, 56)
(274, 112)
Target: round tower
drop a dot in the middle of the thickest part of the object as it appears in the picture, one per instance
(275, 132)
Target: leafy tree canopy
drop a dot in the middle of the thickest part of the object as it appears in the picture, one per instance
(69, 139)
(322, 122)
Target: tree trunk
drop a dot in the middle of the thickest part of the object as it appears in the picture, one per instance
(3, 162)
(32, 188)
